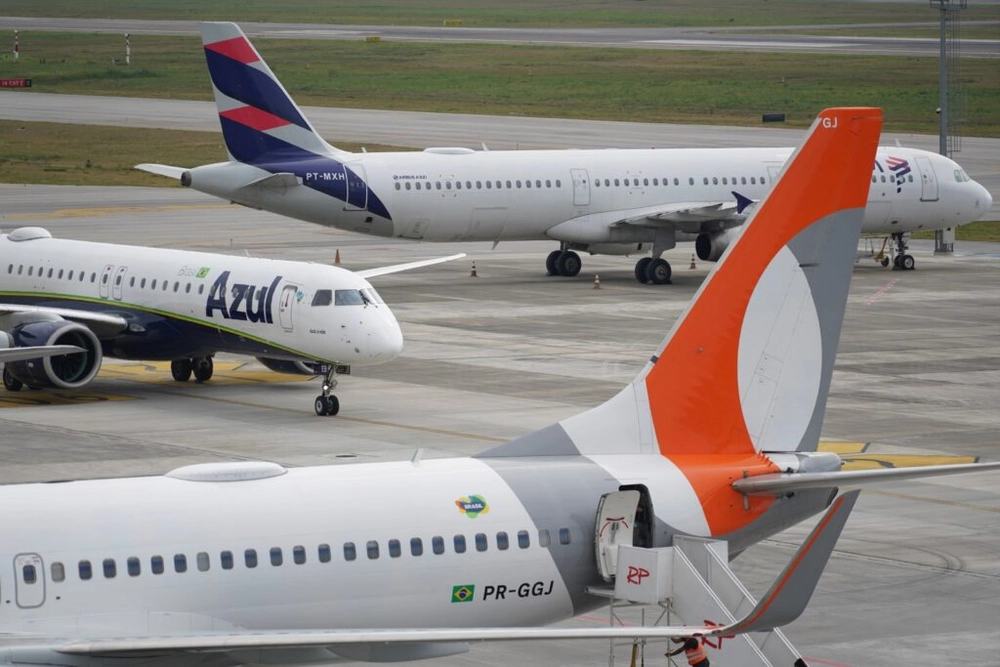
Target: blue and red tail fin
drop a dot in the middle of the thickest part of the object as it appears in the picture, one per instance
(260, 121)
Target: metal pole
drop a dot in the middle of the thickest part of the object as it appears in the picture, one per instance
(128, 51)
(17, 47)
(943, 77)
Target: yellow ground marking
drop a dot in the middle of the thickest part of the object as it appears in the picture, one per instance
(109, 210)
(839, 447)
(225, 373)
(29, 397)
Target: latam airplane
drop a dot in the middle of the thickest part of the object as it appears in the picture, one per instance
(66, 304)
(614, 202)
(221, 564)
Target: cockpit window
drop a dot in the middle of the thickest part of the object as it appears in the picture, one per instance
(348, 297)
(961, 176)
(372, 295)
(323, 297)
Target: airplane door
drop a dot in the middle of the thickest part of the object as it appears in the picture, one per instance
(116, 288)
(29, 580)
(105, 286)
(928, 180)
(581, 187)
(773, 170)
(285, 305)
(357, 187)
(614, 526)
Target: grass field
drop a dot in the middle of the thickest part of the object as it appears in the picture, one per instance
(505, 13)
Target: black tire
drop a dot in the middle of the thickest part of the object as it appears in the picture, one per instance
(181, 369)
(11, 383)
(569, 264)
(203, 369)
(321, 407)
(550, 263)
(885, 261)
(907, 263)
(641, 270)
(333, 405)
(659, 272)
(897, 261)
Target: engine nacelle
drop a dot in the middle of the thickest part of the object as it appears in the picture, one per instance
(67, 371)
(293, 367)
(710, 245)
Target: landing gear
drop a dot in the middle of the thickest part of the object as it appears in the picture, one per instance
(659, 272)
(550, 263)
(902, 261)
(563, 263)
(641, 270)
(327, 404)
(201, 367)
(11, 383)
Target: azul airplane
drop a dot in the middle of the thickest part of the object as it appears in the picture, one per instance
(615, 202)
(153, 304)
(221, 564)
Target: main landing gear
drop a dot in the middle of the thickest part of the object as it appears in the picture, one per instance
(11, 383)
(201, 367)
(563, 263)
(327, 404)
(650, 271)
(902, 260)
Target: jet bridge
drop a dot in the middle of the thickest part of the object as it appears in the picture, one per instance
(691, 583)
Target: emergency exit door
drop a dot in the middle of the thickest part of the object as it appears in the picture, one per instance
(29, 580)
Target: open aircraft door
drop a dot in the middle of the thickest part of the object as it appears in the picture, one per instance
(928, 180)
(614, 526)
(29, 580)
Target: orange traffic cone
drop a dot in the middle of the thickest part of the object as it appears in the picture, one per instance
(336, 257)
(597, 281)
(692, 263)
(473, 274)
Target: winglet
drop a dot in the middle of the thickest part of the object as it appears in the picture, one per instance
(790, 593)
(742, 201)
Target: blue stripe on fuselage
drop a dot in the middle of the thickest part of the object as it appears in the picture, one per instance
(251, 86)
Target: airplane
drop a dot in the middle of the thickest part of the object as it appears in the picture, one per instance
(65, 304)
(613, 202)
(250, 562)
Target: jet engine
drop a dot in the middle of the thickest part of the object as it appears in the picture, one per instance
(293, 367)
(711, 245)
(67, 371)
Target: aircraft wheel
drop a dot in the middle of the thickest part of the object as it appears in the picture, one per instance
(885, 261)
(333, 405)
(181, 369)
(896, 261)
(642, 270)
(568, 264)
(203, 369)
(550, 263)
(658, 272)
(321, 407)
(11, 383)
(907, 263)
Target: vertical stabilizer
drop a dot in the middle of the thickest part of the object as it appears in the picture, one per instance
(259, 119)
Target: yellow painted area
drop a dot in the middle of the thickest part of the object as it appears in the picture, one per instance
(225, 373)
(28, 397)
(839, 447)
(109, 210)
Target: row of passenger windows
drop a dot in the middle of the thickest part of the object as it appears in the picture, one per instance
(480, 185)
(892, 178)
(372, 550)
(81, 276)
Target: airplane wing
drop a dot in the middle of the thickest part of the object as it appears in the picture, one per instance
(21, 353)
(396, 268)
(102, 324)
(777, 483)
(692, 217)
(783, 603)
(162, 170)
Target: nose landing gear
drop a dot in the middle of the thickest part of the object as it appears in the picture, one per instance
(326, 404)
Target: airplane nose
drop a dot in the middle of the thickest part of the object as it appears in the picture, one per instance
(987, 200)
(386, 341)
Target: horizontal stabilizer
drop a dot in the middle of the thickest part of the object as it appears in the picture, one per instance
(162, 170)
(781, 483)
(396, 268)
(22, 353)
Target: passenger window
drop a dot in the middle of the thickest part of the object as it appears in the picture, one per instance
(447, 185)
(543, 538)
(350, 552)
(458, 185)
(656, 181)
(607, 183)
(437, 184)
(131, 281)
(597, 182)
(57, 571)
(489, 184)
(372, 548)
(645, 181)
(134, 568)
(86, 571)
(743, 180)
(323, 297)
(299, 555)
(187, 288)
(508, 185)
(201, 288)
(394, 549)
(479, 185)
(398, 186)
(503, 542)
(460, 544)
(538, 184)
(203, 561)
(156, 564)
(29, 574)
(110, 569)
(437, 544)
(527, 184)
(677, 181)
(416, 546)
(705, 179)
(564, 536)
(31, 270)
(104, 278)
(176, 285)
(226, 560)
(523, 539)
(50, 275)
(481, 543)
(616, 181)
(276, 557)
(691, 181)
(558, 183)
(323, 552)
(548, 183)
(250, 558)
(180, 563)
(153, 285)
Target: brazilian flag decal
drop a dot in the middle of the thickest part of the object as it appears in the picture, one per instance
(464, 593)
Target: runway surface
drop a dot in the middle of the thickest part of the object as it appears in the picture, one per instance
(915, 578)
(410, 129)
(700, 39)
